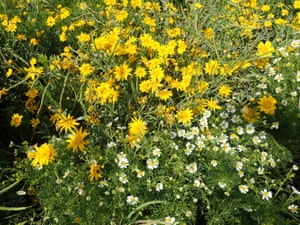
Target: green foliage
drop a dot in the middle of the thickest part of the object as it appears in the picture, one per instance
(148, 112)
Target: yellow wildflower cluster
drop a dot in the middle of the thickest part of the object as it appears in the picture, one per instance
(42, 155)
(76, 137)
(144, 96)
(137, 129)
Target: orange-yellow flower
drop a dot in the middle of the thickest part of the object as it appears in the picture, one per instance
(33, 71)
(267, 104)
(249, 114)
(3, 92)
(76, 140)
(164, 94)
(32, 93)
(122, 72)
(66, 123)
(265, 49)
(83, 37)
(296, 4)
(9, 73)
(212, 104)
(184, 116)
(35, 122)
(140, 72)
(121, 15)
(224, 91)
(211, 67)
(94, 173)
(86, 69)
(110, 2)
(136, 3)
(16, 120)
(137, 128)
(50, 21)
(42, 155)
(181, 47)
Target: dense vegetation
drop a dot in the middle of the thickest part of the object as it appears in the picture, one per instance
(149, 112)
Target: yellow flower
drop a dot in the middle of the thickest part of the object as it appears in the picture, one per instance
(249, 114)
(21, 37)
(163, 51)
(268, 23)
(11, 25)
(265, 49)
(198, 5)
(76, 140)
(149, 21)
(137, 128)
(9, 73)
(63, 37)
(50, 21)
(83, 37)
(174, 32)
(144, 86)
(32, 93)
(33, 71)
(209, 33)
(83, 5)
(156, 73)
(86, 69)
(121, 15)
(136, 3)
(280, 21)
(64, 13)
(3, 91)
(42, 155)
(284, 12)
(132, 140)
(66, 123)
(147, 41)
(224, 91)
(267, 104)
(211, 67)
(110, 2)
(30, 105)
(16, 120)
(296, 4)
(35, 122)
(181, 47)
(122, 72)
(202, 86)
(94, 173)
(212, 105)
(140, 72)
(164, 94)
(184, 116)
(265, 8)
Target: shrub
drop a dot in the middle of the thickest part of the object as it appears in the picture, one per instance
(145, 114)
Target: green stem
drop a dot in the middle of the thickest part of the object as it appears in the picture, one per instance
(81, 99)
(43, 98)
(143, 206)
(4, 208)
(10, 186)
(63, 91)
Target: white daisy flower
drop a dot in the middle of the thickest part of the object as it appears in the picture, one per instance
(243, 188)
(159, 187)
(192, 168)
(132, 200)
(170, 220)
(152, 163)
(266, 195)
